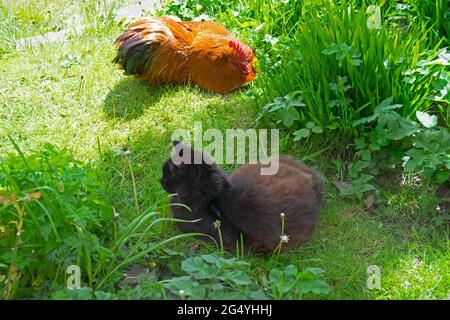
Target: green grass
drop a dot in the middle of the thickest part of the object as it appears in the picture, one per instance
(72, 96)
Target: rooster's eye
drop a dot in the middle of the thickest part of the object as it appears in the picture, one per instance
(243, 67)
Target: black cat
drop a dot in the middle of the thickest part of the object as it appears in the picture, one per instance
(245, 202)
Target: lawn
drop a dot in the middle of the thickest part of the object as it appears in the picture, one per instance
(118, 129)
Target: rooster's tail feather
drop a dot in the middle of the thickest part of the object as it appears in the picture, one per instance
(138, 45)
(135, 55)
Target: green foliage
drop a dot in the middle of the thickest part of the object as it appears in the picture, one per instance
(285, 109)
(146, 290)
(9, 29)
(430, 155)
(343, 69)
(423, 148)
(342, 52)
(192, 9)
(293, 284)
(54, 213)
(53, 210)
(214, 277)
(435, 13)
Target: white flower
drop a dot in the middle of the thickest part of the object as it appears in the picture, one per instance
(284, 238)
(202, 17)
(282, 215)
(122, 152)
(216, 224)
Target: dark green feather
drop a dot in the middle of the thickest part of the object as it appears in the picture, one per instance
(136, 55)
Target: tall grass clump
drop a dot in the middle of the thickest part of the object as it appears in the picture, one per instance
(342, 69)
(56, 212)
(52, 215)
(436, 13)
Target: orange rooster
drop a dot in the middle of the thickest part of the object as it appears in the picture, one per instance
(166, 50)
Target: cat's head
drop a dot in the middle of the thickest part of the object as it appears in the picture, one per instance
(192, 171)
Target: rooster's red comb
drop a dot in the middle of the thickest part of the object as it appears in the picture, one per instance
(238, 48)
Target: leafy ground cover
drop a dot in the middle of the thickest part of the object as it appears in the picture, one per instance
(81, 149)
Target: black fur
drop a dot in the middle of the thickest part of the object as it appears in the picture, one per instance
(250, 202)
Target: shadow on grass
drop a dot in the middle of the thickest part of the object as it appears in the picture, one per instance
(148, 150)
(129, 98)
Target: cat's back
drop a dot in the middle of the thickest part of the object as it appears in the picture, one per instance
(256, 202)
(291, 177)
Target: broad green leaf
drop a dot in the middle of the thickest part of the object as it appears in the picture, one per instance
(198, 268)
(356, 167)
(356, 62)
(332, 49)
(313, 286)
(366, 120)
(188, 286)
(310, 273)
(237, 277)
(442, 176)
(301, 134)
(310, 125)
(283, 280)
(401, 128)
(288, 116)
(317, 129)
(258, 295)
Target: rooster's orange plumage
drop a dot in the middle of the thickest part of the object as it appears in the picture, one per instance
(165, 50)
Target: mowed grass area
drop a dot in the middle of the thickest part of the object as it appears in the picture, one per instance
(71, 95)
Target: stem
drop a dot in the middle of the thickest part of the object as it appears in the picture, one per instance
(280, 245)
(220, 239)
(242, 245)
(13, 275)
(134, 185)
(56, 275)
